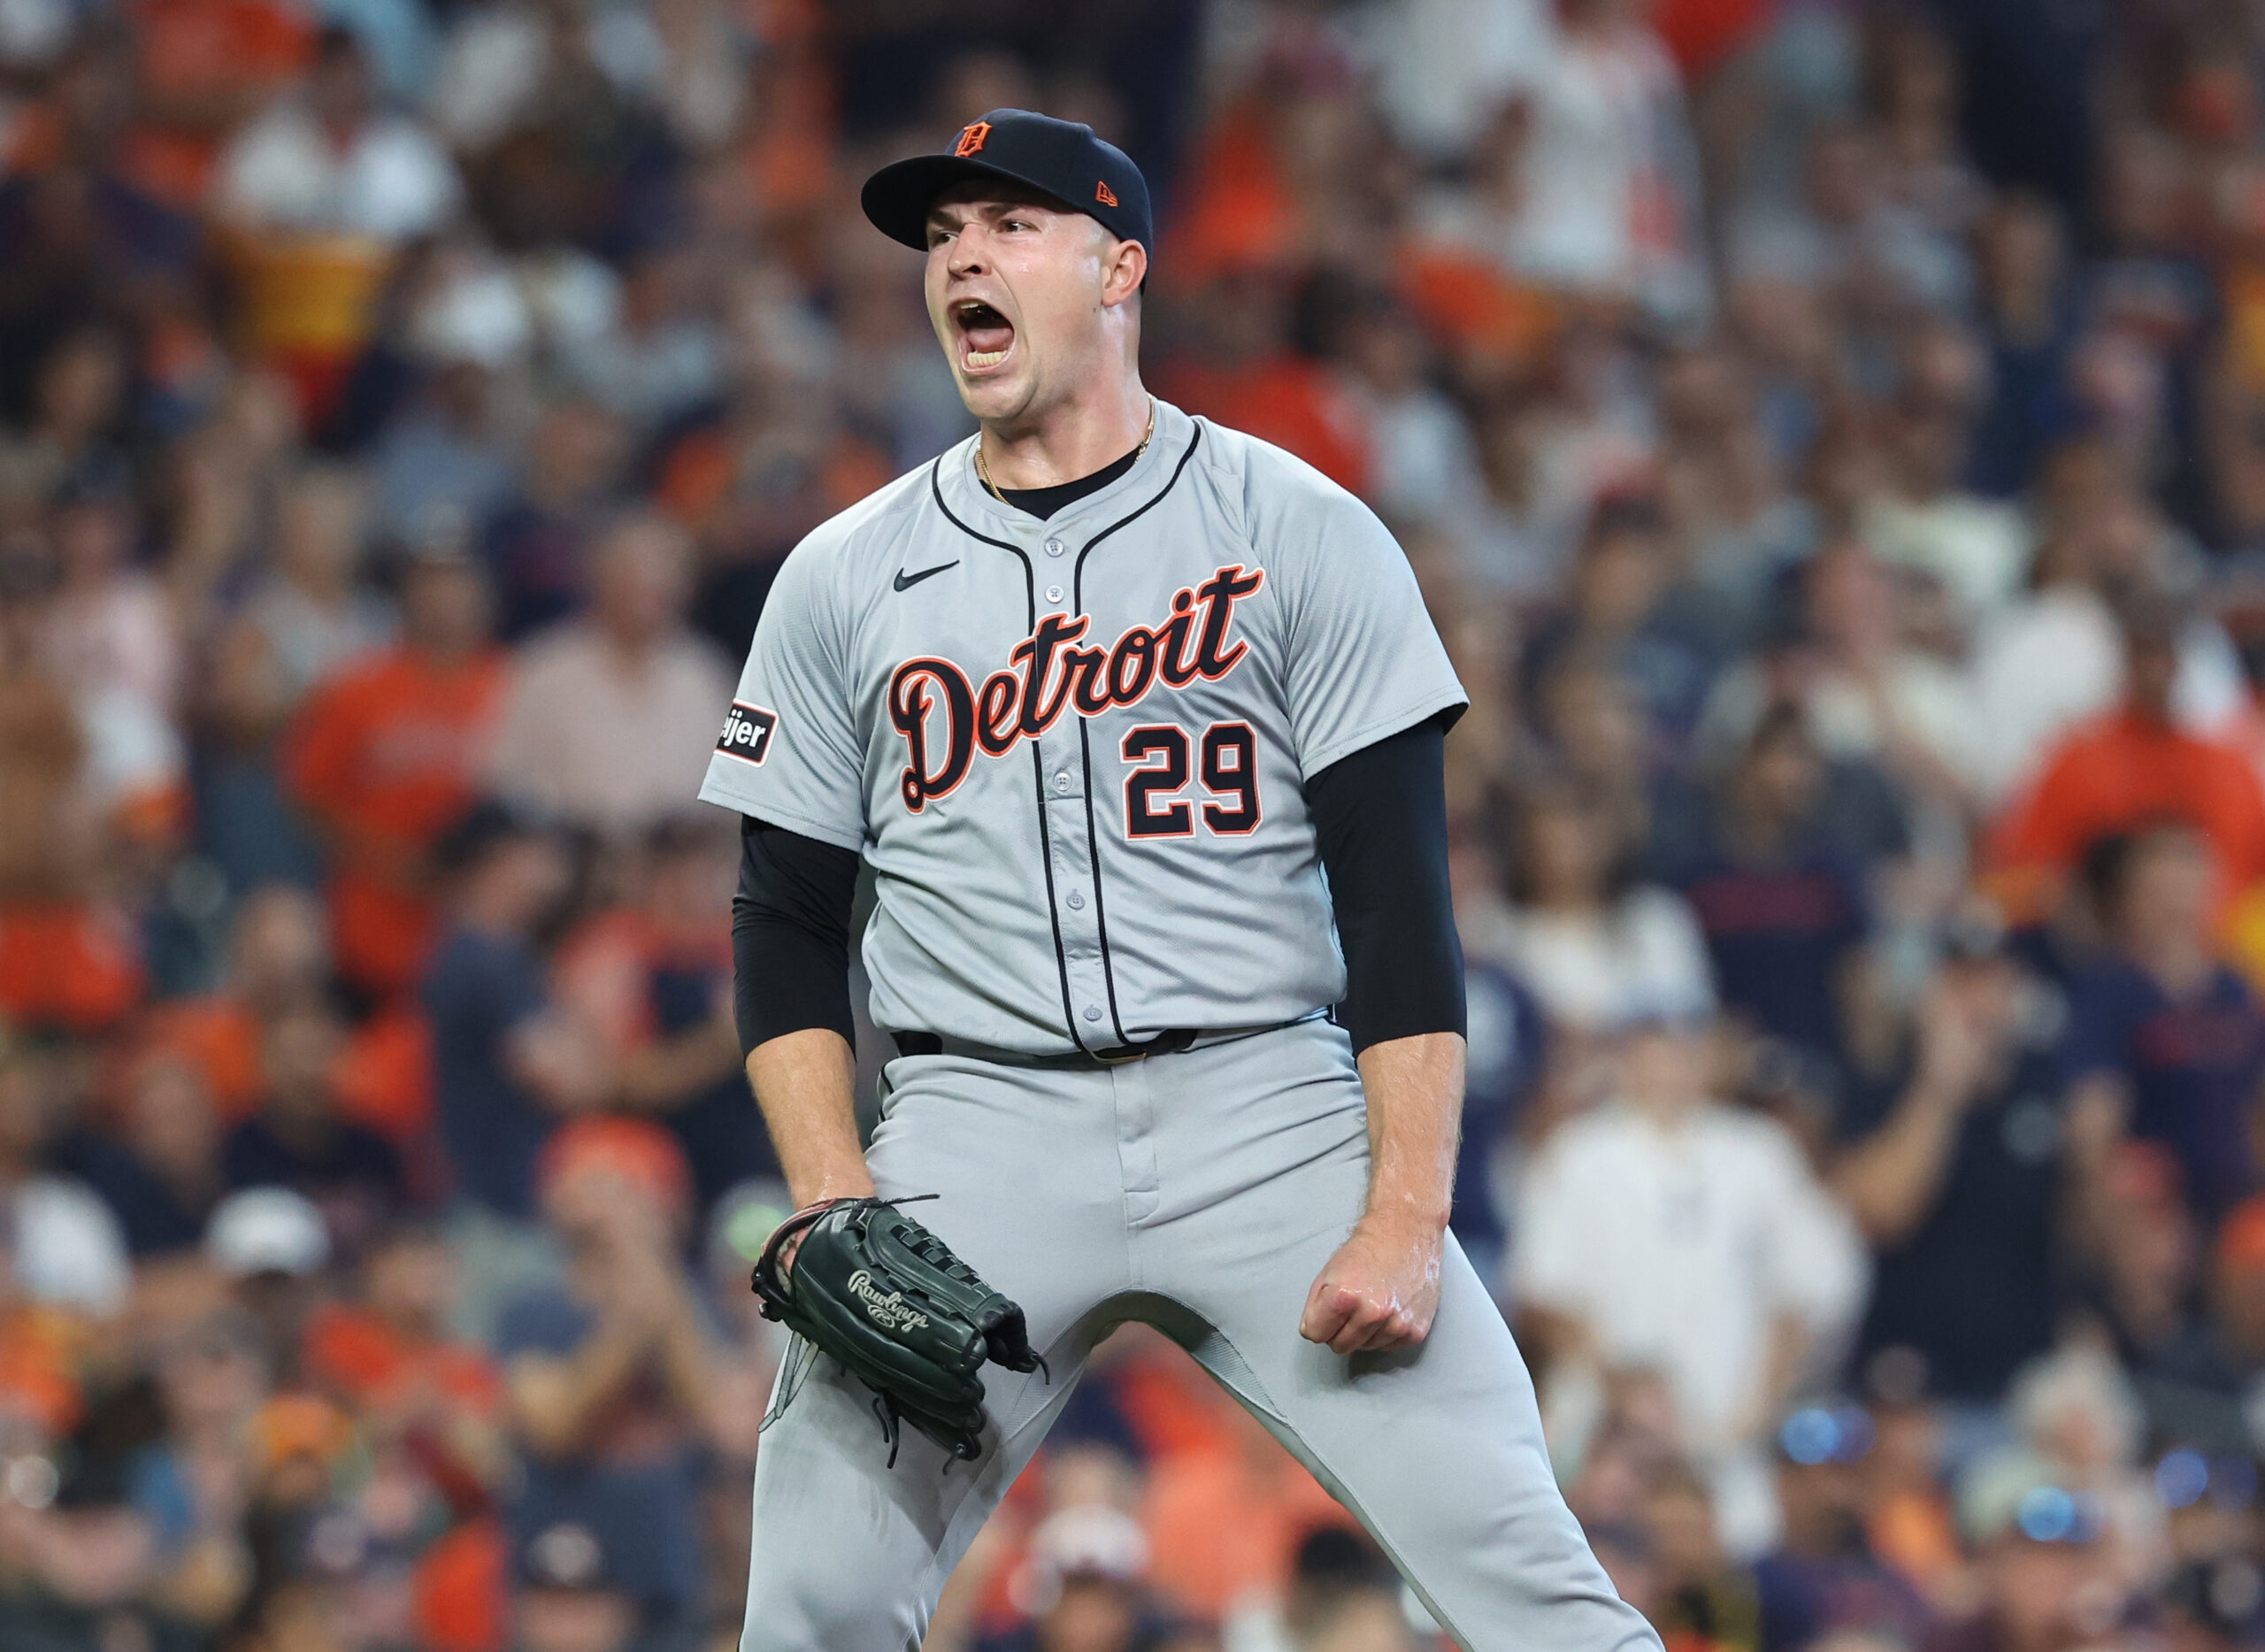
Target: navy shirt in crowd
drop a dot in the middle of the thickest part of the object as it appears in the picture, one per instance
(2192, 1068)
(1971, 1289)
(720, 1128)
(351, 1160)
(1508, 1050)
(478, 988)
(1779, 933)
(635, 1484)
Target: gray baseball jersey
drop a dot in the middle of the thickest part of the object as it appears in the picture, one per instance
(1074, 750)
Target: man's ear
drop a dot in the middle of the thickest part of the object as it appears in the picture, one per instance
(1128, 267)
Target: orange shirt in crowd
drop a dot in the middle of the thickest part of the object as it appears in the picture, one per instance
(369, 1363)
(461, 1592)
(384, 757)
(2119, 772)
(67, 964)
(204, 66)
(1289, 402)
(216, 1034)
(384, 1072)
(1222, 1525)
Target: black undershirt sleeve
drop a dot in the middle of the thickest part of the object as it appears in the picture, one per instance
(790, 933)
(1381, 816)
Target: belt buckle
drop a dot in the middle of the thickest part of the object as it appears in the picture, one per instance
(1129, 1054)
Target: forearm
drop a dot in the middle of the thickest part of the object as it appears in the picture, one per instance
(1890, 1182)
(688, 1361)
(806, 1084)
(553, 1400)
(1415, 1099)
(673, 1071)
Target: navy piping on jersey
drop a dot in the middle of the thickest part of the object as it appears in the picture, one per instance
(1085, 745)
(1036, 761)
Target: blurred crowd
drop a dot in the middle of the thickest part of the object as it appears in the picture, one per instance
(1832, 438)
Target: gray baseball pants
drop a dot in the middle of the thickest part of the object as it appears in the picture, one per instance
(1201, 1192)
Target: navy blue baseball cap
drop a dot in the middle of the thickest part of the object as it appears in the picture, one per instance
(1061, 158)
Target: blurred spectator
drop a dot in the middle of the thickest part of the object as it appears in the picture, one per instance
(2131, 769)
(1507, 1055)
(314, 612)
(1868, 693)
(1618, 615)
(1823, 1577)
(570, 1597)
(270, 1247)
(1596, 949)
(332, 162)
(1783, 904)
(112, 630)
(2166, 1041)
(662, 356)
(298, 1139)
(1727, 1268)
(1925, 521)
(1609, 179)
(277, 959)
(319, 190)
(652, 981)
(62, 1245)
(159, 1171)
(1227, 1509)
(1953, 1172)
(2043, 1586)
(2023, 265)
(506, 1063)
(537, 544)
(385, 757)
(2052, 657)
(1081, 1586)
(607, 1377)
(643, 689)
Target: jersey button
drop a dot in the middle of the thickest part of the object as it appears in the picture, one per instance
(1077, 902)
(1053, 546)
(1092, 1012)
(1052, 593)
(1062, 782)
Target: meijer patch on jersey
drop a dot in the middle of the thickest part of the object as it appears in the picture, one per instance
(746, 732)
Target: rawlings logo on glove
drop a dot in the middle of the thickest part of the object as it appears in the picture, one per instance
(905, 1317)
(889, 1312)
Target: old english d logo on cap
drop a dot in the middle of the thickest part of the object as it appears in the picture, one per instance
(971, 138)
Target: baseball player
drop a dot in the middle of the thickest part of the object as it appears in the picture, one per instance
(1138, 722)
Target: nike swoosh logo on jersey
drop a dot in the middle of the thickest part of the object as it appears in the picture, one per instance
(906, 581)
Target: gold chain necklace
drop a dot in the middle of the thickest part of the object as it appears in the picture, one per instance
(984, 471)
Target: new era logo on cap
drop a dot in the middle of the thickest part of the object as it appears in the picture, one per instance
(747, 733)
(1101, 193)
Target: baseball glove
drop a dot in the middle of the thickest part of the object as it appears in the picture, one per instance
(905, 1316)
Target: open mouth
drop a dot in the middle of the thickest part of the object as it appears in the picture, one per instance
(984, 335)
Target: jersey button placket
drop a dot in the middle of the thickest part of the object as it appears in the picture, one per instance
(1073, 882)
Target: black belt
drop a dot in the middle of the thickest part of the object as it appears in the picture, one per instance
(1165, 1043)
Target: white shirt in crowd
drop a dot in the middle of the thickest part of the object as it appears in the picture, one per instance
(1679, 1247)
(68, 1248)
(606, 743)
(392, 181)
(1644, 957)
